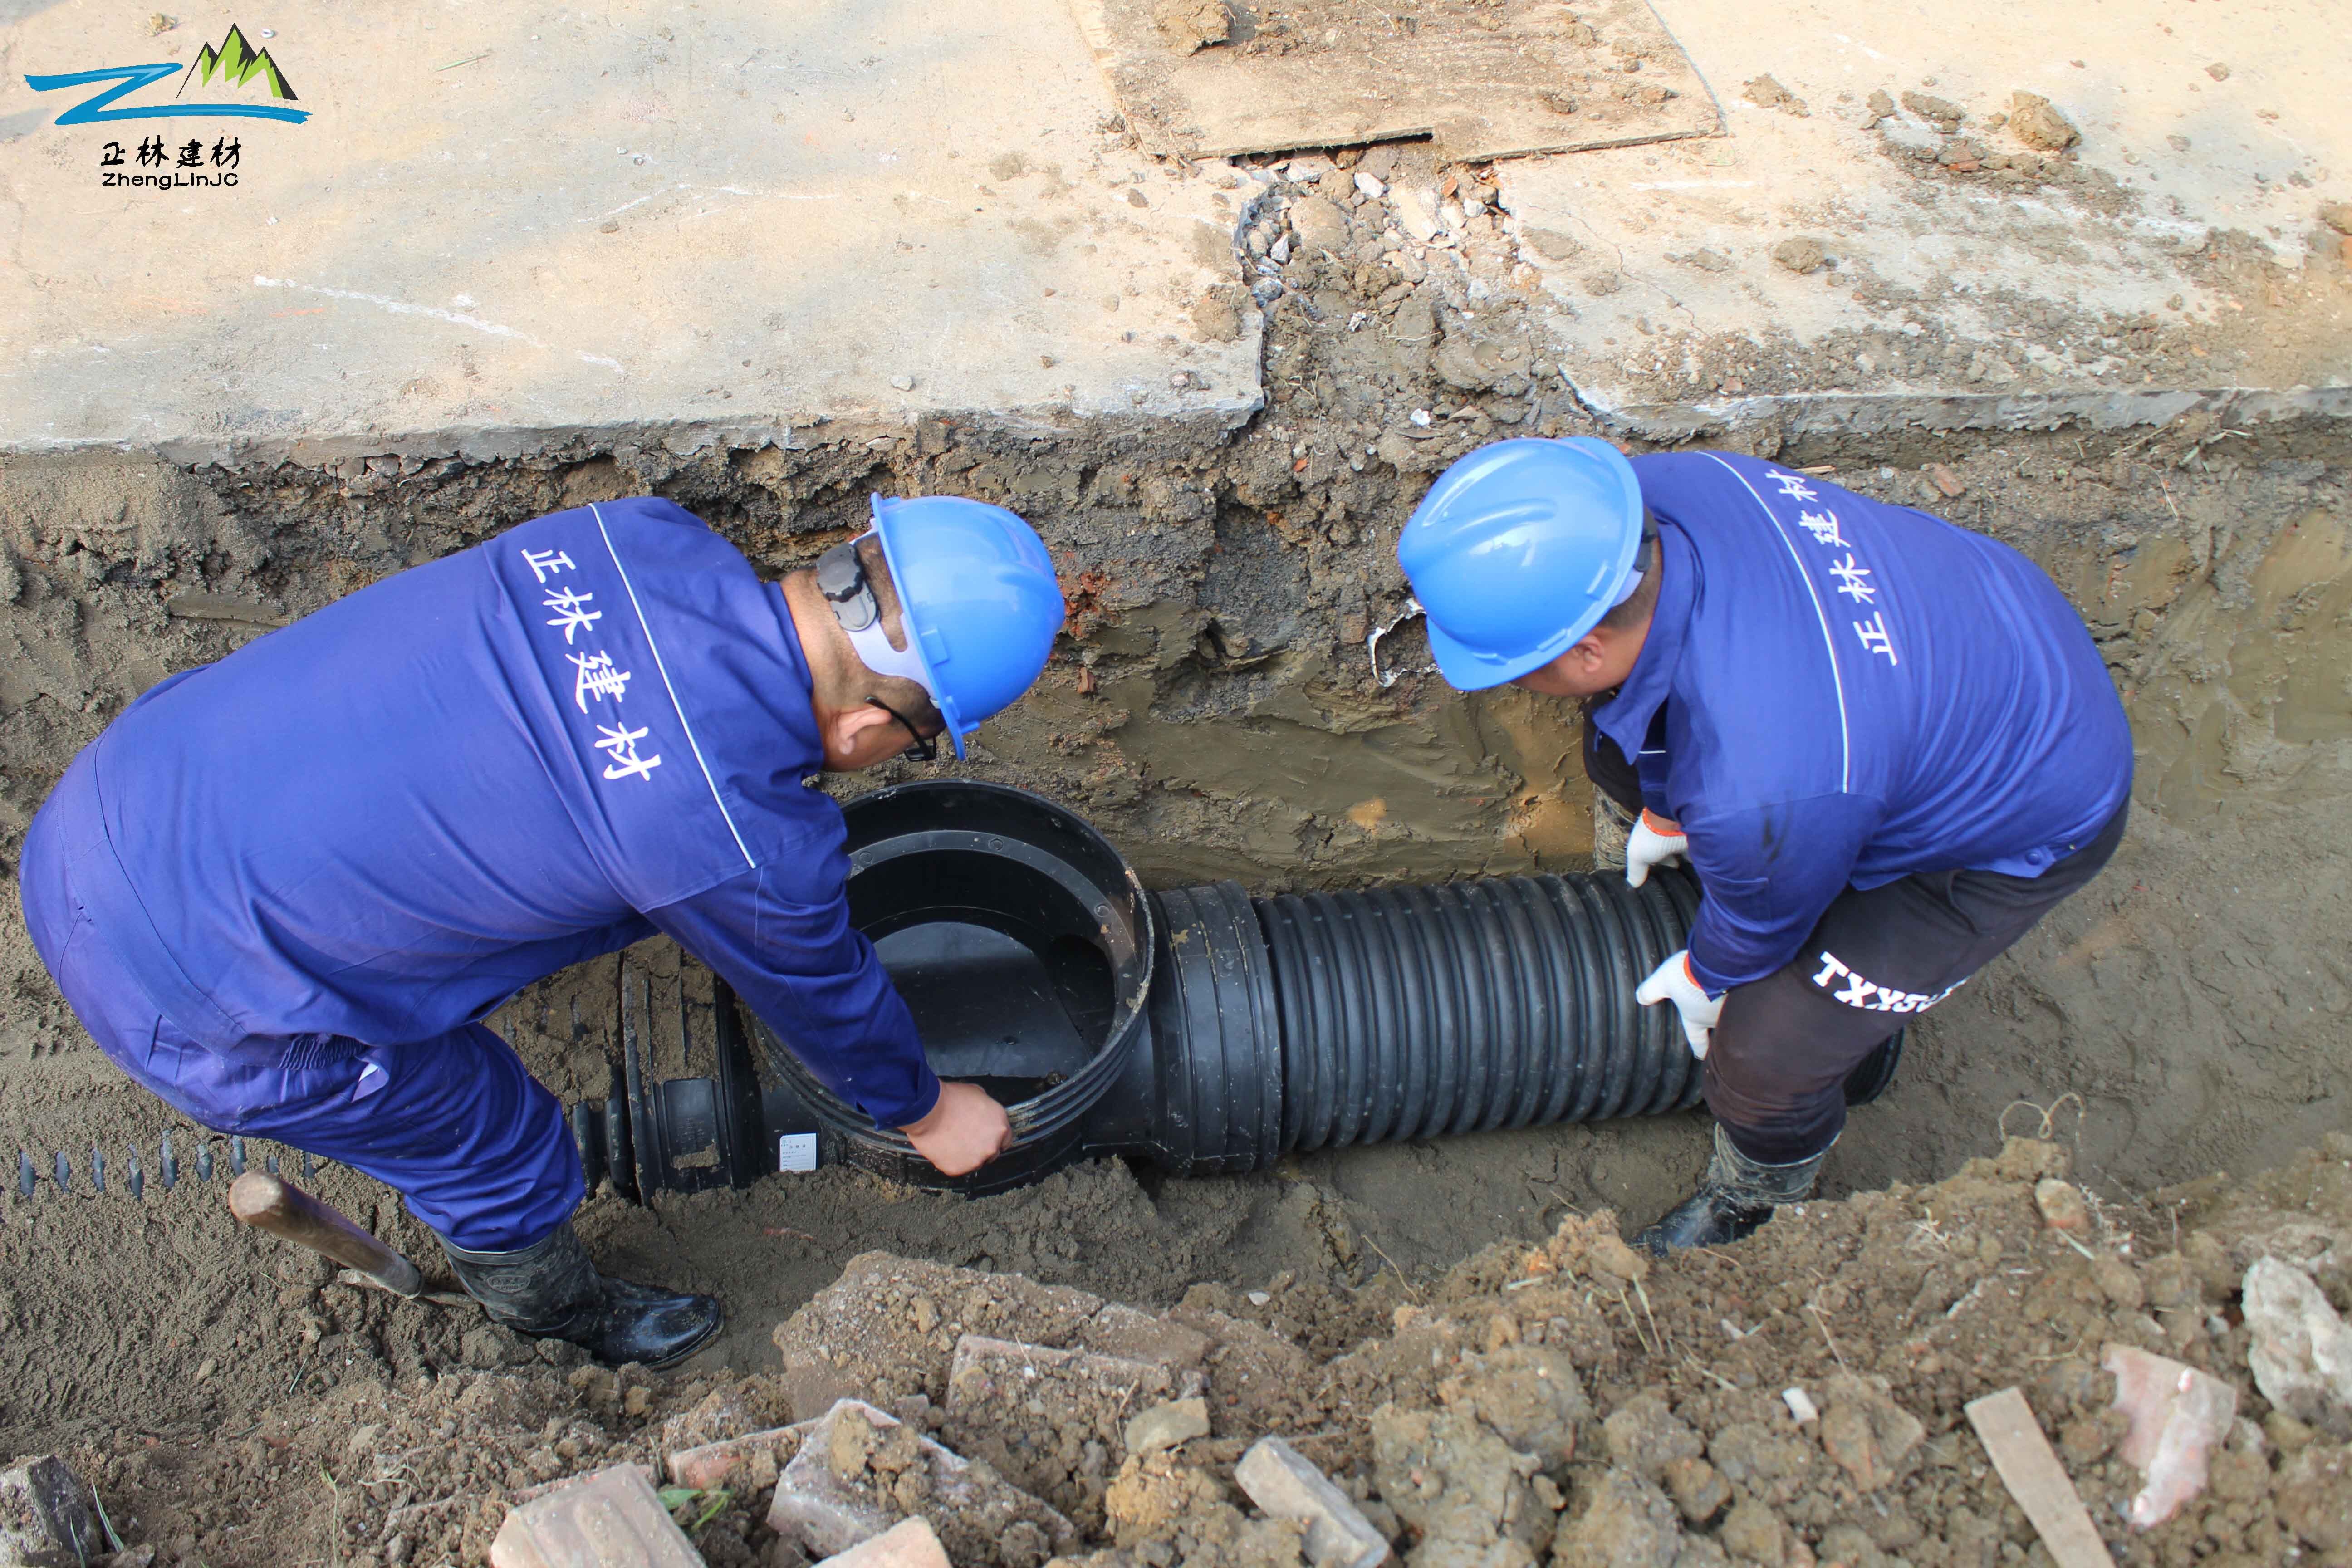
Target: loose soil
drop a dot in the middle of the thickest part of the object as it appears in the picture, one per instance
(1560, 1400)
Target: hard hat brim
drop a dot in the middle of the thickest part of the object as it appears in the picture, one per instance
(1465, 669)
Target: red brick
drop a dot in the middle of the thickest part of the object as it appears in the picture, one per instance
(608, 1520)
(909, 1544)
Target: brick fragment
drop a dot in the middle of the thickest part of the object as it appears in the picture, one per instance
(539, 1489)
(909, 1544)
(1286, 1485)
(751, 1459)
(608, 1520)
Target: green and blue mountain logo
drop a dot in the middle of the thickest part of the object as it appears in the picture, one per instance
(237, 63)
(233, 64)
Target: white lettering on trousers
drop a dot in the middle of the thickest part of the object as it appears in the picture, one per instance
(1869, 995)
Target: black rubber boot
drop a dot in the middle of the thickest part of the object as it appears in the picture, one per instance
(1735, 1195)
(551, 1291)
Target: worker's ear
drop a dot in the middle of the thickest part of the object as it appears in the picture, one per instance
(850, 737)
(1589, 655)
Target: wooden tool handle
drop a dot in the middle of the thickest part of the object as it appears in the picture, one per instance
(267, 1202)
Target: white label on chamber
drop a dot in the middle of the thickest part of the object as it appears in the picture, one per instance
(797, 1152)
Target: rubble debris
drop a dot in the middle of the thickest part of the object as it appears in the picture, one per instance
(611, 1519)
(2179, 1416)
(751, 1461)
(2020, 1453)
(2036, 121)
(1801, 254)
(1940, 112)
(1165, 1426)
(1530, 1395)
(2062, 1204)
(2337, 216)
(1569, 1403)
(1621, 1519)
(2301, 1356)
(909, 1544)
(1765, 92)
(887, 1328)
(1287, 1485)
(44, 1523)
(1456, 1482)
(1073, 1406)
(742, 1411)
(1192, 26)
(1866, 1433)
(1945, 481)
(1644, 1436)
(859, 1470)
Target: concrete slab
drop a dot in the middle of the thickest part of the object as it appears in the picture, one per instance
(1838, 262)
(502, 225)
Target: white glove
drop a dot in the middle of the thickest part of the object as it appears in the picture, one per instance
(1653, 842)
(1673, 982)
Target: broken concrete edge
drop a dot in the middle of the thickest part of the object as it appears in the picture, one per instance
(1836, 414)
(1207, 419)
(1878, 413)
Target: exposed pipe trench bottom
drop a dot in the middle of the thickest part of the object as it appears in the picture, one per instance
(1198, 1029)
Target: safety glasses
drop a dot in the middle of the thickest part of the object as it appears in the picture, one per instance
(926, 747)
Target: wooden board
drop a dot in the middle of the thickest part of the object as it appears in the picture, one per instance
(1483, 78)
(2031, 1471)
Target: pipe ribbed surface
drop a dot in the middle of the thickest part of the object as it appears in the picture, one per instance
(1425, 1012)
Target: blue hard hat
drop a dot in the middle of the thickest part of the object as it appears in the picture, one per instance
(1517, 551)
(978, 598)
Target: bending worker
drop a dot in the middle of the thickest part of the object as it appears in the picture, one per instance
(1885, 745)
(283, 890)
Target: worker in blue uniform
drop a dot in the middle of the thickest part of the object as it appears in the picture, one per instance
(1885, 746)
(283, 890)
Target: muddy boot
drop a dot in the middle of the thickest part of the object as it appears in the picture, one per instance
(551, 1291)
(1735, 1195)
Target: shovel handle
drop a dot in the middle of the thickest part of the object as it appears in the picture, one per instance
(284, 1210)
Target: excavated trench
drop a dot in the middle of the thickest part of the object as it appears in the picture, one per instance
(1213, 713)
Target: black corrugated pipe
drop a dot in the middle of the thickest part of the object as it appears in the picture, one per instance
(1201, 1030)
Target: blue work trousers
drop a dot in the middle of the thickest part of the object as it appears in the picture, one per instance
(456, 1124)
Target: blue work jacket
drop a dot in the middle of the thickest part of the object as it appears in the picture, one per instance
(383, 820)
(1837, 692)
